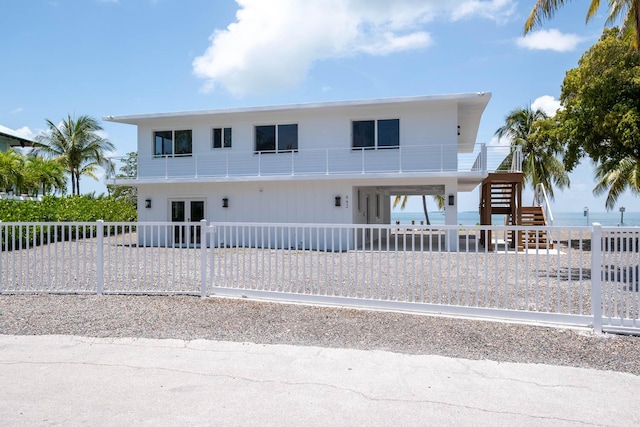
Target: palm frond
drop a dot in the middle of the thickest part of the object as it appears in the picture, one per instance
(542, 9)
(76, 144)
(614, 178)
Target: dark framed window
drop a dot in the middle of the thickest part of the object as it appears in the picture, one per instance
(163, 145)
(364, 135)
(288, 137)
(221, 138)
(173, 143)
(266, 138)
(277, 138)
(371, 134)
(183, 142)
(389, 133)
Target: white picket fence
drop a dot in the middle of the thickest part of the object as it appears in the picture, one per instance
(588, 278)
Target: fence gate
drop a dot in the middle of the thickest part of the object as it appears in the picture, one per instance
(619, 291)
(586, 276)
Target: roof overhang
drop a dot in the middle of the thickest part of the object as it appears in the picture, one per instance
(470, 112)
(469, 105)
(13, 138)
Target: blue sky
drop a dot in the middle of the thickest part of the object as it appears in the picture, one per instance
(118, 57)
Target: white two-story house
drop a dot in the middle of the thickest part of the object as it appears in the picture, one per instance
(331, 162)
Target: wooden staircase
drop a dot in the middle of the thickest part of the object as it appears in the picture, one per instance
(533, 216)
(501, 194)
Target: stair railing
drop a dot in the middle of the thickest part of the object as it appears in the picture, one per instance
(540, 199)
(516, 159)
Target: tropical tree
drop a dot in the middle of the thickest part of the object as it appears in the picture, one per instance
(626, 10)
(45, 175)
(615, 179)
(601, 114)
(78, 146)
(402, 201)
(10, 170)
(540, 164)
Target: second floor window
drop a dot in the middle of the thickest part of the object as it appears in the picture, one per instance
(371, 134)
(172, 143)
(277, 138)
(221, 138)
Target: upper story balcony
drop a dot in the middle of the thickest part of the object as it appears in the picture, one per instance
(224, 165)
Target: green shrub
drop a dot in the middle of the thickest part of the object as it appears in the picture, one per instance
(68, 208)
(59, 209)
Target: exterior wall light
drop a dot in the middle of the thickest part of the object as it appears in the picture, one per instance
(452, 200)
(147, 203)
(225, 202)
(338, 201)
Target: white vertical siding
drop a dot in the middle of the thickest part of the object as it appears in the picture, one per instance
(277, 202)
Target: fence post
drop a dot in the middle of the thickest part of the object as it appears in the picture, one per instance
(203, 258)
(3, 237)
(596, 277)
(100, 257)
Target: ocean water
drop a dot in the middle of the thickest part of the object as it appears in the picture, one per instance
(630, 219)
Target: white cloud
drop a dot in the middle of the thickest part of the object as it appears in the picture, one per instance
(25, 132)
(273, 44)
(546, 103)
(549, 40)
(497, 10)
(17, 110)
(389, 43)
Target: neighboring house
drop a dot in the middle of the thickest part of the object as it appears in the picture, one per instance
(332, 162)
(10, 138)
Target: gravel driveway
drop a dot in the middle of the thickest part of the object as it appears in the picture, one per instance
(188, 318)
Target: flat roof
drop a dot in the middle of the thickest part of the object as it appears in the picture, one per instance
(479, 99)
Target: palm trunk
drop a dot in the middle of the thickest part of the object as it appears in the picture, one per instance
(424, 207)
(636, 9)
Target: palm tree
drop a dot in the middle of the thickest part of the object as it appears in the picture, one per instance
(628, 10)
(47, 175)
(539, 161)
(616, 176)
(77, 145)
(10, 171)
(402, 200)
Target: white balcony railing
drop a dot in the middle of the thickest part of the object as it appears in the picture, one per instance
(228, 163)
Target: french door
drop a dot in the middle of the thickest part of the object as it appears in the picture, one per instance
(186, 211)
